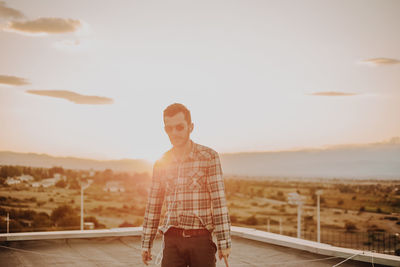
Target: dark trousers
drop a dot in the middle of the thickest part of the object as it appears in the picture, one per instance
(197, 251)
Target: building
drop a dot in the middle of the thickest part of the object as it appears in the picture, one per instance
(49, 181)
(114, 186)
(26, 178)
(12, 181)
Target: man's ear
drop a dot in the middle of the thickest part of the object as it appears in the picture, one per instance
(191, 127)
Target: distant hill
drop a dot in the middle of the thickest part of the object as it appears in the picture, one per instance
(47, 161)
(377, 161)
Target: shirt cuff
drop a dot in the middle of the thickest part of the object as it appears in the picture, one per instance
(146, 245)
(224, 244)
(146, 249)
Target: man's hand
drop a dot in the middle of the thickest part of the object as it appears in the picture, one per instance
(224, 253)
(146, 256)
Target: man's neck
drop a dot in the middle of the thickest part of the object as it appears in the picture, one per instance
(182, 151)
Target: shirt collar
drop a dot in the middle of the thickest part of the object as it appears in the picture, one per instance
(190, 155)
(192, 150)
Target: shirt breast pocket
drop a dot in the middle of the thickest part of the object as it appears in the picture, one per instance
(195, 180)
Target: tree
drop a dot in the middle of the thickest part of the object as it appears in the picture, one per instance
(41, 220)
(61, 184)
(74, 184)
(69, 221)
(56, 169)
(61, 212)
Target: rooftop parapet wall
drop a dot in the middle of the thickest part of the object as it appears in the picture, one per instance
(245, 233)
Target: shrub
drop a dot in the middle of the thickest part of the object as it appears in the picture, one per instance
(233, 218)
(390, 218)
(61, 212)
(24, 214)
(69, 221)
(126, 224)
(32, 199)
(40, 203)
(350, 226)
(61, 184)
(15, 226)
(42, 220)
(252, 220)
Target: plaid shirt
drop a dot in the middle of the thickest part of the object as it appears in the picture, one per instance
(194, 194)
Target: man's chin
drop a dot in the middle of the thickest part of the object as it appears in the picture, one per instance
(178, 143)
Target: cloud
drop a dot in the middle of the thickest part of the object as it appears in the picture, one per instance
(45, 26)
(380, 61)
(71, 45)
(7, 12)
(332, 93)
(13, 80)
(73, 97)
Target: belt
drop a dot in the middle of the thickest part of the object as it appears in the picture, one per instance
(188, 232)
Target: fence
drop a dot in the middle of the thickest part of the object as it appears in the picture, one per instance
(377, 241)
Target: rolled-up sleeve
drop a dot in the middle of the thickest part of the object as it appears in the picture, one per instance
(153, 209)
(221, 219)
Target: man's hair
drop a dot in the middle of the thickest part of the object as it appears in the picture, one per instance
(175, 108)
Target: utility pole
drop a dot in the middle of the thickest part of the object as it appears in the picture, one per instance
(81, 207)
(296, 199)
(318, 193)
(83, 187)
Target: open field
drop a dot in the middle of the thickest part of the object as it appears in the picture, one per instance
(369, 205)
(347, 205)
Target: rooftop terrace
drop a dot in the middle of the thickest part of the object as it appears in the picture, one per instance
(121, 247)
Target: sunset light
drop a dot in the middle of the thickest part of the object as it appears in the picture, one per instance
(260, 77)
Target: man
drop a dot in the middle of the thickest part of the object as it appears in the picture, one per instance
(189, 178)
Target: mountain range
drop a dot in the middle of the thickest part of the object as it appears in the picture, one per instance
(375, 161)
(366, 161)
(47, 161)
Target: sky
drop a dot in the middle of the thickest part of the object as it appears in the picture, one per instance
(91, 78)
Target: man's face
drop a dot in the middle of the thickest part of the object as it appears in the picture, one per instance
(177, 129)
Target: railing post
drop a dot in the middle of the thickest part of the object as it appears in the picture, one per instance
(8, 223)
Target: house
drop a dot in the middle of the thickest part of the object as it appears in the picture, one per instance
(12, 181)
(114, 186)
(26, 178)
(47, 182)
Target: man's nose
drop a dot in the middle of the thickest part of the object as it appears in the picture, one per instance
(174, 130)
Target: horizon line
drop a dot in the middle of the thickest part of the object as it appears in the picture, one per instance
(394, 140)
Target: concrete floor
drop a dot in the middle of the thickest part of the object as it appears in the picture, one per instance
(125, 251)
